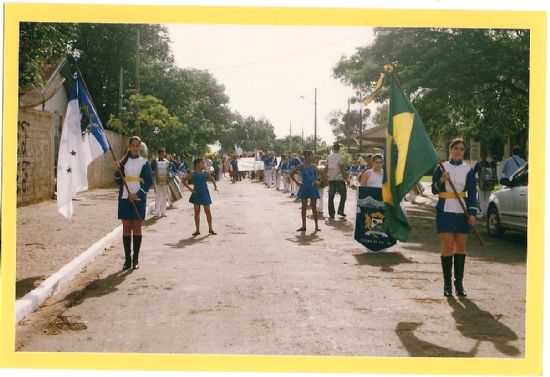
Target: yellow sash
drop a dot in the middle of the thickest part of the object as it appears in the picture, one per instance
(451, 195)
(130, 178)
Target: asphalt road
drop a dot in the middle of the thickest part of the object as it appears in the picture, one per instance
(258, 287)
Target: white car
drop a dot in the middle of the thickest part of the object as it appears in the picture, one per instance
(508, 206)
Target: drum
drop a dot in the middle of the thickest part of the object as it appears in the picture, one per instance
(174, 185)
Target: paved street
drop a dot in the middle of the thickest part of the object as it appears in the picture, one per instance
(258, 287)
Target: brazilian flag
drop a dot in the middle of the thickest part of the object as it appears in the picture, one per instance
(409, 155)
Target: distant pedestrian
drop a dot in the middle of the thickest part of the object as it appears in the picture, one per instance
(200, 196)
(136, 173)
(309, 188)
(513, 163)
(323, 183)
(486, 172)
(336, 181)
(234, 169)
(452, 224)
(293, 163)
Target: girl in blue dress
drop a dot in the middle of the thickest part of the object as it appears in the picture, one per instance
(200, 195)
(309, 188)
(137, 178)
(452, 224)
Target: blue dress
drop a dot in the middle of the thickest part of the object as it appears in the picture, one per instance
(308, 189)
(200, 195)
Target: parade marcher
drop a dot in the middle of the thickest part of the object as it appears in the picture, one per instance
(336, 181)
(285, 173)
(308, 188)
(323, 183)
(136, 172)
(369, 219)
(486, 172)
(451, 222)
(234, 169)
(161, 175)
(200, 195)
(216, 166)
(513, 163)
(293, 163)
(268, 169)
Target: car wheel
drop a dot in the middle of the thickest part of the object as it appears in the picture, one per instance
(494, 228)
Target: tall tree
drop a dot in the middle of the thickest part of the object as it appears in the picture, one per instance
(472, 82)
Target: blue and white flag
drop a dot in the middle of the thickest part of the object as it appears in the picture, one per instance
(83, 139)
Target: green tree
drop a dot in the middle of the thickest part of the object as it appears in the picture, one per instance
(41, 44)
(470, 82)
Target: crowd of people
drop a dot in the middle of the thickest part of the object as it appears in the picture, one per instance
(305, 178)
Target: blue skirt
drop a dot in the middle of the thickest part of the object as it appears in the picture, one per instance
(448, 222)
(126, 210)
(201, 198)
(308, 192)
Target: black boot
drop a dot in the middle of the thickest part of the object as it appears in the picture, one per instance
(127, 241)
(137, 245)
(447, 265)
(459, 274)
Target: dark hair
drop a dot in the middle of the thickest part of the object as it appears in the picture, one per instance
(377, 157)
(124, 159)
(196, 162)
(515, 150)
(162, 150)
(456, 141)
(307, 152)
(336, 147)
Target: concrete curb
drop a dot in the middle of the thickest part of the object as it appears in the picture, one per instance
(32, 300)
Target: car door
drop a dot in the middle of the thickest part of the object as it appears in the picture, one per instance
(520, 181)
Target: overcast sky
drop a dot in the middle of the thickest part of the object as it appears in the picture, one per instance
(266, 69)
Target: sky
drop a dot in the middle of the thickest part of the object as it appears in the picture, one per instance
(267, 69)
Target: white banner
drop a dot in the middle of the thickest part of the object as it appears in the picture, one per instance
(250, 164)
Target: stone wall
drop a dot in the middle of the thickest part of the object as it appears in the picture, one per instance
(35, 156)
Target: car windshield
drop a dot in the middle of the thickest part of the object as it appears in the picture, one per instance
(520, 177)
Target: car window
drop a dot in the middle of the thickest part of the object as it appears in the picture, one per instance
(521, 178)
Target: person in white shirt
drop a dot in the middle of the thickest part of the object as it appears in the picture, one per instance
(336, 181)
(161, 171)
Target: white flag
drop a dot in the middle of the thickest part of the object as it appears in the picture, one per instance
(76, 149)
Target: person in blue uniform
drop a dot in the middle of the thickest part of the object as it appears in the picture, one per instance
(136, 172)
(452, 224)
(309, 188)
(293, 163)
(200, 195)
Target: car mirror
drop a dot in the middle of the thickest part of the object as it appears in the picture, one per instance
(505, 182)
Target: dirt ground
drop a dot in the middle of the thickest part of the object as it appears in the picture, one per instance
(258, 287)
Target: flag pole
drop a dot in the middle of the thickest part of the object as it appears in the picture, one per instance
(119, 169)
(462, 204)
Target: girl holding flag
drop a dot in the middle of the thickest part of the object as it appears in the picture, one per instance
(452, 224)
(134, 184)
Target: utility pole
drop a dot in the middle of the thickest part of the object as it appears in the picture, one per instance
(315, 126)
(290, 139)
(138, 43)
(120, 91)
(303, 141)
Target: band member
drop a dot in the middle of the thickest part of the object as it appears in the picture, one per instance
(161, 175)
(451, 222)
(284, 166)
(308, 188)
(136, 173)
(200, 195)
(323, 183)
(293, 163)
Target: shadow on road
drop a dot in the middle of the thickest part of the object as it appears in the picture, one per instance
(343, 225)
(510, 249)
(303, 239)
(96, 288)
(187, 242)
(421, 348)
(386, 261)
(24, 286)
(478, 324)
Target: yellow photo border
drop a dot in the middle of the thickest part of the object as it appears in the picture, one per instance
(531, 364)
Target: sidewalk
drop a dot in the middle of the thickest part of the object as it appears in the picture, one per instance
(46, 241)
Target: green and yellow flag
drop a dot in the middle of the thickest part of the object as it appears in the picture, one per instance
(409, 155)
